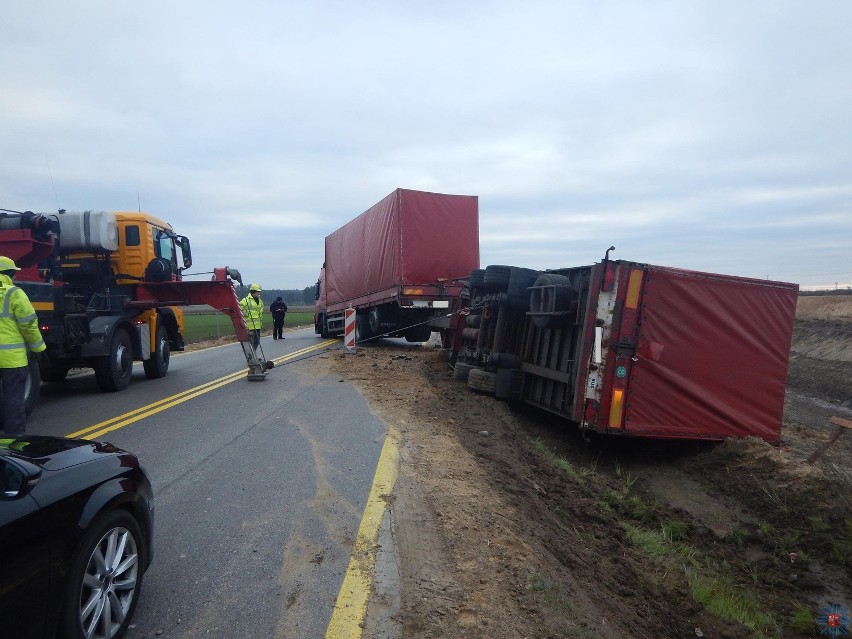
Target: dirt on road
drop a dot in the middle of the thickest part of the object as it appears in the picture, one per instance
(508, 524)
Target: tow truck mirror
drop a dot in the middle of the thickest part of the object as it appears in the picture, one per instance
(185, 250)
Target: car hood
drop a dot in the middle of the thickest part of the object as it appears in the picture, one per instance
(55, 453)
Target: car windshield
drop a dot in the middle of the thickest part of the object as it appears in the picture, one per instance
(35, 447)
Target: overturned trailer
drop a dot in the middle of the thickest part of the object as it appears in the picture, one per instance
(630, 349)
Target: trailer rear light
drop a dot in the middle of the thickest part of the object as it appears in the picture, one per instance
(634, 286)
(412, 291)
(616, 408)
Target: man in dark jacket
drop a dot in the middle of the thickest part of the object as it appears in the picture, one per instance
(279, 310)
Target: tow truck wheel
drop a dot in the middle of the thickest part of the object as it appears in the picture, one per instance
(157, 365)
(113, 372)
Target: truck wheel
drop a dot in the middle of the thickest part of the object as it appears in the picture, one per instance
(157, 365)
(112, 373)
(549, 305)
(362, 329)
(414, 334)
(321, 327)
(497, 277)
(375, 320)
(477, 278)
(482, 381)
(462, 371)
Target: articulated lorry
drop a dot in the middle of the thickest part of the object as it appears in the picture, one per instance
(398, 265)
(108, 291)
(630, 349)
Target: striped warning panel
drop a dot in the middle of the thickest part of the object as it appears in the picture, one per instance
(349, 329)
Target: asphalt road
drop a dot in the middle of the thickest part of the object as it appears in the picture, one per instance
(259, 486)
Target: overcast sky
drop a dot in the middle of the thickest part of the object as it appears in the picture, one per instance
(712, 136)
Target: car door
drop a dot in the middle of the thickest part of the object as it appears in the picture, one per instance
(25, 594)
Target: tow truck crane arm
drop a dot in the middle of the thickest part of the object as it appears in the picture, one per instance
(219, 294)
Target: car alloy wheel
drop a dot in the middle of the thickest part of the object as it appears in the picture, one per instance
(106, 589)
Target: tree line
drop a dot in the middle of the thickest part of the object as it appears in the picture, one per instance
(291, 296)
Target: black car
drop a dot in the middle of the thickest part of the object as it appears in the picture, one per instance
(76, 522)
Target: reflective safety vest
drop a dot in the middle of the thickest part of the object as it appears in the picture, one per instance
(18, 326)
(252, 312)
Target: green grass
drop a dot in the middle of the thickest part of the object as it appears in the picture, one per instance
(560, 462)
(802, 619)
(721, 597)
(204, 326)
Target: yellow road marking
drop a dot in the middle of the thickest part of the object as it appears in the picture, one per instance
(354, 595)
(97, 430)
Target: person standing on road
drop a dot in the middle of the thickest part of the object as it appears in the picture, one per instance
(278, 308)
(252, 308)
(19, 333)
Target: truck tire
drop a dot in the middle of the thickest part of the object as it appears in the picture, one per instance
(362, 329)
(549, 306)
(520, 281)
(482, 381)
(497, 277)
(421, 333)
(113, 372)
(477, 278)
(462, 371)
(157, 366)
(321, 327)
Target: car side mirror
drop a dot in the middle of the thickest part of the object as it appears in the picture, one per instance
(17, 477)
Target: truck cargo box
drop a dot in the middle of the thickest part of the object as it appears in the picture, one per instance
(632, 349)
(697, 355)
(409, 238)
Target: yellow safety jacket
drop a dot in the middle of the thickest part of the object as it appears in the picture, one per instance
(252, 312)
(18, 326)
